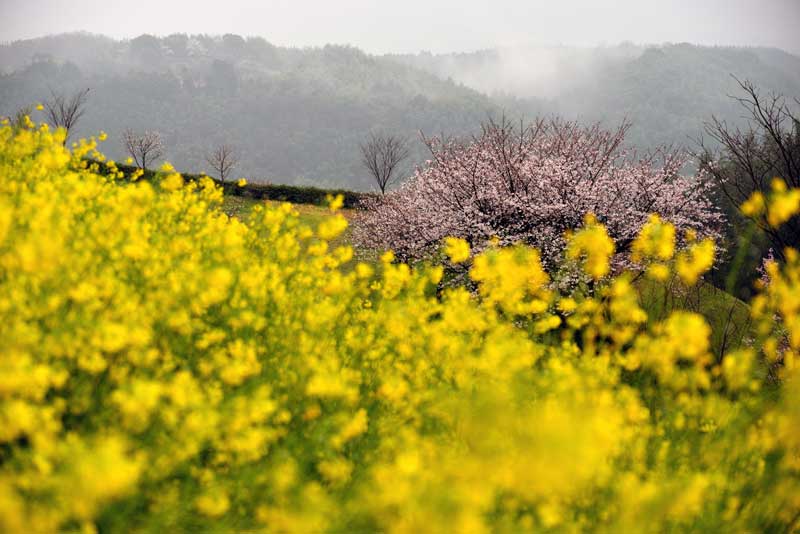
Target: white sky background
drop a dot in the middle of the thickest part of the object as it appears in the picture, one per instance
(412, 25)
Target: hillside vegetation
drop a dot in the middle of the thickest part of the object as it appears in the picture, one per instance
(667, 91)
(298, 114)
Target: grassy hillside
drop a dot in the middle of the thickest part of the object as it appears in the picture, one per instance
(729, 318)
(241, 206)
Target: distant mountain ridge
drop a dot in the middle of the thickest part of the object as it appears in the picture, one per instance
(666, 90)
(298, 114)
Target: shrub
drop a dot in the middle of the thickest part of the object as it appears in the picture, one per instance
(297, 194)
(531, 185)
(166, 368)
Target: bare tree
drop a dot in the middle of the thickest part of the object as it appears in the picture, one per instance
(65, 112)
(381, 155)
(750, 157)
(143, 147)
(222, 159)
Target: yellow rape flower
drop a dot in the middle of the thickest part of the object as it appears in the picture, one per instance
(656, 240)
(213, 504)
(332, 227)
(335, 202)
(695, 260)
(755, 205)
(456, 249)
(592, 244)
(783, 204)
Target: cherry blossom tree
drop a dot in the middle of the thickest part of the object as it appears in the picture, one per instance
(532, 183)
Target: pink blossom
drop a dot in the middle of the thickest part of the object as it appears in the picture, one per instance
(531, 184)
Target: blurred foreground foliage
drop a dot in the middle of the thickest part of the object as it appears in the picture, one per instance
(167, 368)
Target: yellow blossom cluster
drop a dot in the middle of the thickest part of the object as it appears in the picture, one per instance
(593, 246)
(655, 247)
(778, 206)
(456, 249)
(166, 368)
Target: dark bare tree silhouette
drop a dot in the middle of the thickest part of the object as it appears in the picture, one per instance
(144, 147)
(750, 157)
(65, 112)
(381, 155)
(222, 159)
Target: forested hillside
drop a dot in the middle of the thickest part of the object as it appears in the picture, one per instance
(297, 115)
(666, 91)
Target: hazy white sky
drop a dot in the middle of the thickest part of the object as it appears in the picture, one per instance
(413, 25)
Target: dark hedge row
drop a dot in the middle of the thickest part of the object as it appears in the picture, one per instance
(294, 194)
(289, 193)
